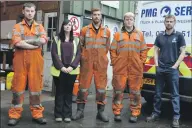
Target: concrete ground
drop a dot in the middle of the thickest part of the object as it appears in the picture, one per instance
(89, 120)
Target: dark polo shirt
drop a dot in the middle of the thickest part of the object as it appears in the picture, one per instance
(169, 48)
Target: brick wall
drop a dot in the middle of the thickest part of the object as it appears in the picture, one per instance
(14, 8)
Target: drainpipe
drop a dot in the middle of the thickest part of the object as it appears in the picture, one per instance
(58, 15)
(135, 7)
(36, 4)
(4, 6)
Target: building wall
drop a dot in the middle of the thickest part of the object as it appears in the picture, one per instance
(79, 7)
(14, 8)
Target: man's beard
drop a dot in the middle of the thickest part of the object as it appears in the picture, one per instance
(169, 28)
(96, 22)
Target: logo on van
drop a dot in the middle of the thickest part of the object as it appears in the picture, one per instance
(166, 10)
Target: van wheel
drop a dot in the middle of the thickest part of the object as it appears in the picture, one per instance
(149, 99)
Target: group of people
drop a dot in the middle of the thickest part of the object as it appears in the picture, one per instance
(128, 52)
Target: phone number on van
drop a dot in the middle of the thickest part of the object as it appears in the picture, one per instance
(149, 33)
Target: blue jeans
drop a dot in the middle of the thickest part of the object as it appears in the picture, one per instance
(167, 76)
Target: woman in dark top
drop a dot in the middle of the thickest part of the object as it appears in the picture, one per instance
(64, 83)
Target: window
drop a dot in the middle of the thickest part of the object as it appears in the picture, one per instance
(50, 26)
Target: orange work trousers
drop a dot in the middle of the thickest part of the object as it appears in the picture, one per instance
(98, 68)
(27, 65)
(119, 84)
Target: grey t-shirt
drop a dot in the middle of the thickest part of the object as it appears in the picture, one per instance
(169, 48)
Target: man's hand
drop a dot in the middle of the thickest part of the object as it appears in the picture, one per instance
(35, 47)
(156, 66)
(63, 69)
(36, 42)
(32, 41)
(23, 44)
(69, 69)
(174, 67)
(181, 57)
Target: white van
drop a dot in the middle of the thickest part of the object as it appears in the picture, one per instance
(150, 19)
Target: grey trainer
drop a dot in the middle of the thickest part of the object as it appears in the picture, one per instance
(67, 120)
(175, 123)
(58, 119)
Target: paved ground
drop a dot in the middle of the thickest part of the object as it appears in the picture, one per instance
(90, 113)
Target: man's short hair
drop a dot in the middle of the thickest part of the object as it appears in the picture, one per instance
(29, 5)
(129, 14)
(170, 16)
(94, 10)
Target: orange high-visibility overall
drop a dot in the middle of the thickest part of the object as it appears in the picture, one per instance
(27, 65)
(128, 55)
(94, 61)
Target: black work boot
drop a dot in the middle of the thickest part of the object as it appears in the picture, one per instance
(13, 122)
(152, 118)
(117, 118)
(133, 119)
(80, 112)
(175, 123)
(100, 115)
(41, 120)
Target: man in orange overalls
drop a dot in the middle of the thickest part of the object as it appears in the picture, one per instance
(128, 54)
(95, 42)
(28, 37)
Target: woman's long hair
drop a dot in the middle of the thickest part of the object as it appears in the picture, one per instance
(62, 32)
